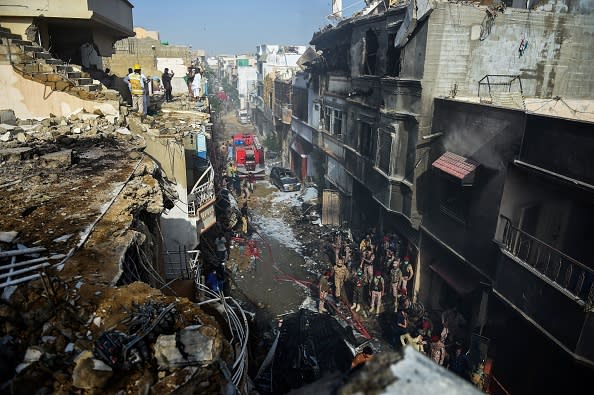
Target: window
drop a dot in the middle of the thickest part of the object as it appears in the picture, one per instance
(371, 46)
(393, 57)
(384, 151)
(337, 123)
(366, 140)
(454, 199)
(333, 121)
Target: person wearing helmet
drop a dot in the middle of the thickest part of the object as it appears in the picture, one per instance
(137, 84)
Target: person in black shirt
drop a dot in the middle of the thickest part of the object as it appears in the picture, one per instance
(166, 78)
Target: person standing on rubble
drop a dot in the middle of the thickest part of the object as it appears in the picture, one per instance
(340, 276)
(189, 79)
(166, 78)
(137, 83)
(197, 85)
(324, 288)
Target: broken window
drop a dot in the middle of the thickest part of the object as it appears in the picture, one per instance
(366, 140)
(393, 56)
(371, 46)
(327, 118)
(300, 103)
(385, 151)
(454, 199)
(333, 122)
(337, 123)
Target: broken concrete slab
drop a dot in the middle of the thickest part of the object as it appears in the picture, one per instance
(8, 237)
(90, 373)
(194, 348)
(6, 137)
(135, 125)
(60, 159)
(22, 137)
(15, 154)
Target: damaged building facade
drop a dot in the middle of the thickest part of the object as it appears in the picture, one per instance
(106, 209)
(426, 111)
(276, 65)
(78, 31)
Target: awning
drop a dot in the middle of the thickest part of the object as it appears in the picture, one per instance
(302, 147)
(458, 166)
(461, 280)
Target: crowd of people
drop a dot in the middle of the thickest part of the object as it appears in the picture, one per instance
(376, 275)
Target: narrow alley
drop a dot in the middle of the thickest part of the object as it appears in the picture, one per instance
(379, 197)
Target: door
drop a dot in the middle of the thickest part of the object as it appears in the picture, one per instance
(331, 207)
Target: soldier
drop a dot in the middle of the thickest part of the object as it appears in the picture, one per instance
(340, 275)
(376, 288)
(324, 287)
(407, 273)
(358, 283)
(395, 279)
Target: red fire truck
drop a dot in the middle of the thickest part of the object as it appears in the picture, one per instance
(248, 155)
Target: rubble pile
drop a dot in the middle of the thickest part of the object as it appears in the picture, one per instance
(81, 196)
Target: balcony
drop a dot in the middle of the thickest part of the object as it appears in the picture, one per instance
(201, 199)
(554, 291)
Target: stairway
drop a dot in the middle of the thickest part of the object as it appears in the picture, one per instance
(35, 63)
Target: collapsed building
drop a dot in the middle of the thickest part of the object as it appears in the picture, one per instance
(99, 261)
(429, 119)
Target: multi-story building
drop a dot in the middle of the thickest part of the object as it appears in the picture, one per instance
(408, 156)
(276, 65)
(247, 78)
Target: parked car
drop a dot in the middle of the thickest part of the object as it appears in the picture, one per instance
(284, 179)
(244, 118)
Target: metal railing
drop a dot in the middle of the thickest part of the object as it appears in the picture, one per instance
(571, 275)
(202, 193)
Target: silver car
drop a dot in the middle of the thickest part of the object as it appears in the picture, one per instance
(284, 179)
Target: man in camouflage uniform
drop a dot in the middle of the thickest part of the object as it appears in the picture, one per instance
(395, 279)
(340, 275)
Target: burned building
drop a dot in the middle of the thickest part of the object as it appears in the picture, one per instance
(406, 154)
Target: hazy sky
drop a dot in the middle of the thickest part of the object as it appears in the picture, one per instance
(235, 26)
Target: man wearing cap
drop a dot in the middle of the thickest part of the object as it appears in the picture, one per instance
(407, 273)
(377, 290)
(137, 83)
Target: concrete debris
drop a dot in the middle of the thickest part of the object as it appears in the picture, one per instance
(81, 186)
(8, 237)
(194, 347)
(90, 373)
(123, 131)
(60, 159)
